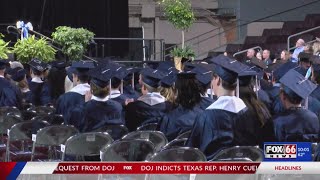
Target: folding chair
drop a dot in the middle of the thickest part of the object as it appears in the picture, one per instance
(43, 110)
(19, 142)
(6, 123)
(52, 137)
(86, 144)
(148, 127)
(176, 143)
(28, 115)
(176, 154)
(9, 110)
(239, 153)
(53, 119)
(127, 150)
(156, 137)
(179, 154)
(115, 131)
(184, 135)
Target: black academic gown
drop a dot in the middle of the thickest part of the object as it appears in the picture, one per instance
(178, 121)
(9, 95)
(95, 114)
(40, 93)
(117, 96)
(206, 102)
(68, 101)
(264, 97)
(316, 93)
(147, 109)
(213, 129)
(296, 125)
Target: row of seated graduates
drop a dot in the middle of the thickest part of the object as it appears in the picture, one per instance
(153, 107)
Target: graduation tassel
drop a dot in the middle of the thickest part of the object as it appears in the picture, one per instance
(132, 82)
(257, 88)
(238, 88)
(306, 103)
(121, 87)
(110, 89)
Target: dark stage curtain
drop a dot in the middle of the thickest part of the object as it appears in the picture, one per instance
(106, 18)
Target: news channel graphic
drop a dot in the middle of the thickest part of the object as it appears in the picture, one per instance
(287, 151)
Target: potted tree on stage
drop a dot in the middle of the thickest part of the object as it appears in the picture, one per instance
(74, 41)
(179, 13)
(31, 47)
(4, 49)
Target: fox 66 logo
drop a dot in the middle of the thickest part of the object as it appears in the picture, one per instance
(286, 151)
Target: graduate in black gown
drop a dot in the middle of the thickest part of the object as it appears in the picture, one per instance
(116, 93)
(75, 96)
(40, 91)
(18, 75)
(56, 77)
(167, 87)
(213, 129)
(9, 94)
(181, 119)
(98, 110)
(151, 106)
(316, 79)
(204, 77)
(255, 127)
(129, 83)
(296, 123)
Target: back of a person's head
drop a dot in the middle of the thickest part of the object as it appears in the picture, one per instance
(253, 104)
(56, 79)
(188, 94)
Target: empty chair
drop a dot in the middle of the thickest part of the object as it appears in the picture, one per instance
(179, 154)
(115, 131)
(176, 143)
(156, 137)
(85, 144)
(12, 110)
(53, 119)
(239, 153)
(7, 122)
(19, 142)
(148, 127)
(43, 110)
(184, 135)
(127, 150)
(52, 137)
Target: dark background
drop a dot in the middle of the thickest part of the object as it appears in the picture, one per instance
(106, 18)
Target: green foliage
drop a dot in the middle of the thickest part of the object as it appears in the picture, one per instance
(179, 13)
(186, 52)
(31, 47)
(4, 49)
(74, 41)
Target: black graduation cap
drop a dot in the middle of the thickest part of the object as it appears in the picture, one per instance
(166, 66)
(228, 69)
(38, 65)
(295, 83)
(246, 76)
(81, 67)
(3, 63)
(283, 69)
(59, 64)
(101, 76)
(18, 74)
(188, 66)
(152, 77)
(169, 79)
(203, 75)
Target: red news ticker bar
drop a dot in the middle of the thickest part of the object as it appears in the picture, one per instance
(156, 168)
